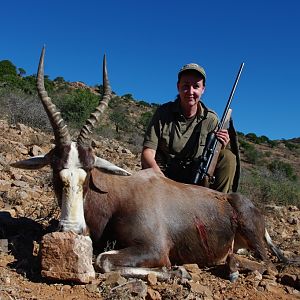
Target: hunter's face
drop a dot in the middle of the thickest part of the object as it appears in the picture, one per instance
(190, 88)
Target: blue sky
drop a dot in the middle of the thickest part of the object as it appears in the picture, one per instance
(146, 43)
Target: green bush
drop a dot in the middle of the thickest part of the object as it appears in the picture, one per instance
(290, 146)
(7, 68)
(272, 144)
(21, 72)
(282, 170)
(263, 188)
(144, 103)
(145, 118)
(128, 96)
(252, 137)
(268, 154)
(114, 102)
(99, 88)
(11, 80)
(263, 139)
(26, 84)
(59, 79)
(119, 117)
(77, 106)
(251, 155)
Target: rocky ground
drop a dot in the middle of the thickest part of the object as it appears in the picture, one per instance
(28, 211)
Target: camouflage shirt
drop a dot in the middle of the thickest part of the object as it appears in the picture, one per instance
(174, 136)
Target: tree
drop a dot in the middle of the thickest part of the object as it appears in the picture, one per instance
(128, 96)
(7, 68)
(22, 72)
(282, 168)
(59, 79)
(144, 103)
(29, 84)
(145, 119)
(77, 106)
(118, 117)
(264, 139)
(252, 137)
(99, 88)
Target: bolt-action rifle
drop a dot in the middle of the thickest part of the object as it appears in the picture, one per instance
(208, 160)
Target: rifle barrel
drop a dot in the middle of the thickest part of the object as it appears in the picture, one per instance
(221, 124)
(211, 143)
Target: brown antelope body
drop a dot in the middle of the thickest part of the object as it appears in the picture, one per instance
(154, 221)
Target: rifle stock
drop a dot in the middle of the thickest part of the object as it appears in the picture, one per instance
(205, 171)
(209, 157)
(218, 148)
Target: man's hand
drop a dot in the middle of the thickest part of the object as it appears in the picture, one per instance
(148, 160)
(223, 137)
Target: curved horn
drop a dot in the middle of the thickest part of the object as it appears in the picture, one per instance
(91, 122)
(60, 130)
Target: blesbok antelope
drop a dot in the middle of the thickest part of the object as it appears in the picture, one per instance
(155, 221)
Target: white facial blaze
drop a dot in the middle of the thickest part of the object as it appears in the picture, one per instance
(73, 177)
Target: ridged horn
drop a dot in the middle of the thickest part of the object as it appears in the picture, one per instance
(60, 129)
(84, 135)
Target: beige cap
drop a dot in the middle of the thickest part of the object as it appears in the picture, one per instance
(192, 66)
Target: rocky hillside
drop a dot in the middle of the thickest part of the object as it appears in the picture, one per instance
(28, 210)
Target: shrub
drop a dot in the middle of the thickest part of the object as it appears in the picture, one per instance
(144, 103)
(77, 106)
(290, 146)
(119, 117)
(263, 139)
(263, 188)
(7, 68)
(18, 107)
(145, 118)
(268, 154)
(26, 84)
(105, 131)
(114, 102)
(11, 80)
(135, 142)
(272, 144)
(59, 79)
(251, 137)
(128, 96)
(250, 153)
(282, 169)
(99, 88)
(21, 72)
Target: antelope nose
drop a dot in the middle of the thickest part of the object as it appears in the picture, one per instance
(60, 228)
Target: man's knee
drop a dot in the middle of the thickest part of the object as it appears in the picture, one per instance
(225, 171)
(227, 161)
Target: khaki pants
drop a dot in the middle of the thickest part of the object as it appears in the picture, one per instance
(224, 172)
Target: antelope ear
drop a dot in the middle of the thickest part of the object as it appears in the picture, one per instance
(109, 167)
(101, 185)
(33, 163)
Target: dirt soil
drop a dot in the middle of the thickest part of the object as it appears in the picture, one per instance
(28, 210)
